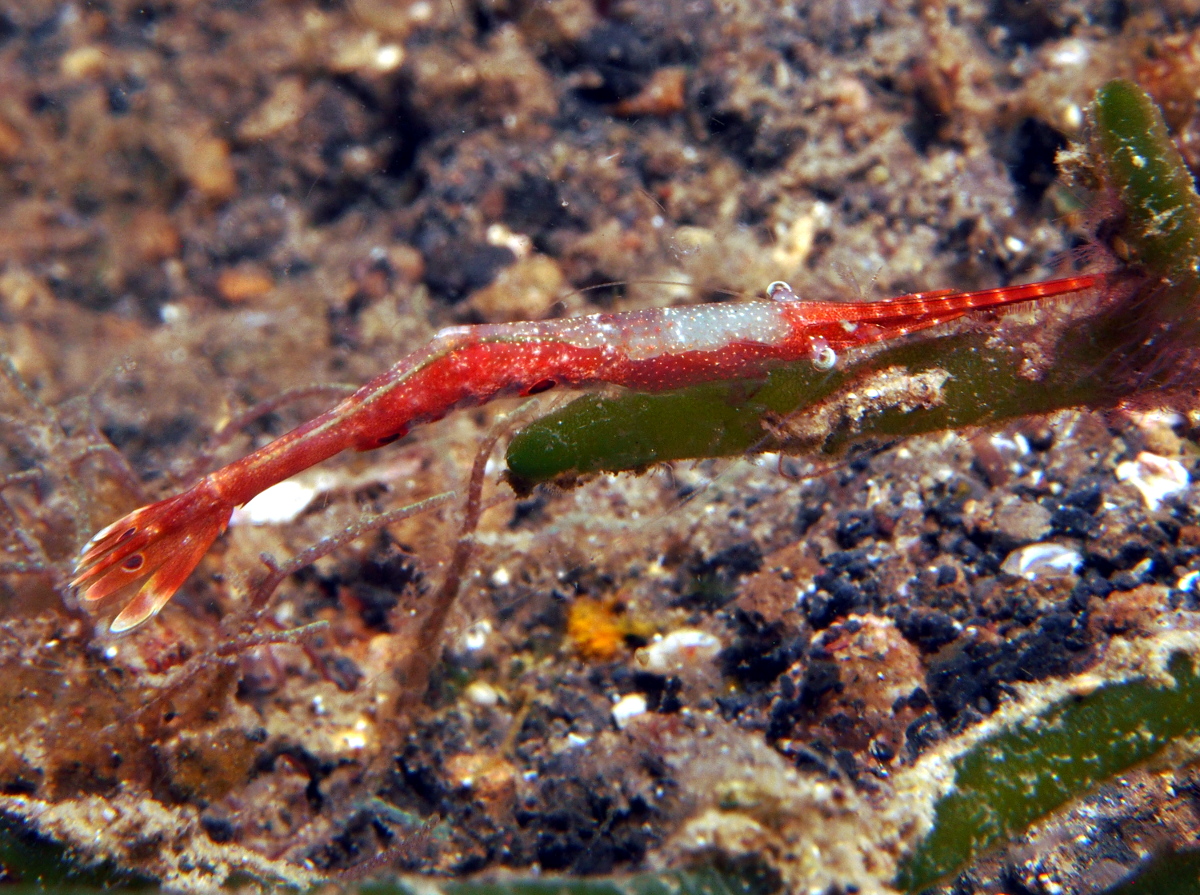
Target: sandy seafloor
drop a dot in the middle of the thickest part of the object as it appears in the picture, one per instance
(203, 205)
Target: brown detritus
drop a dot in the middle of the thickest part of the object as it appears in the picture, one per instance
(1168, 72)
(663, 95)
(851, 694)
(154, 235)
(206, 765)
(891, 389)
(490, 779)
(772, 591)
(1130, 613)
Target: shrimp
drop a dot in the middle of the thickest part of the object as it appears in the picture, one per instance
(462, 366)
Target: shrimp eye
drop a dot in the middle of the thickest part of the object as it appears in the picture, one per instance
(542, 385)
(133, 562)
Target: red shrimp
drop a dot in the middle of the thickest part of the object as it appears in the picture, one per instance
(463, 366)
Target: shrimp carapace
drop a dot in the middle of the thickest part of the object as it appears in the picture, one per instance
(649, 350)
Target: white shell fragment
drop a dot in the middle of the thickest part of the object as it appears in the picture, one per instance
(822, 354)
(476, 636)
(482, 694)
(678, 651)
(1035, 560)
(276, 505)
(627, 708)
(1156, 477)
(351, 739)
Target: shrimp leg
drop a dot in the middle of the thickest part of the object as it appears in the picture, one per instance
(649, 350)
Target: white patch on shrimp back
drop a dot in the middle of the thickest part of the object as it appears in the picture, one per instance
(669, 331)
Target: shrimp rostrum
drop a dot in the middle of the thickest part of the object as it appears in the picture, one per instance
(650, 350)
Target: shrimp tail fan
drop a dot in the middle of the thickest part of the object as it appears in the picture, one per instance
(161, 543)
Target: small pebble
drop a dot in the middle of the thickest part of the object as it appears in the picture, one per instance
(11, 141)
(282, 109)
(351, 739)
(522, 291)
(244, 284)
(153, 236)
(1023, 522)
(205, 163)
(85, 62)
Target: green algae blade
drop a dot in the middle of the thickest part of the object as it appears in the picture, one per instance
(1022, 774)
(1174, 874)
(635, 431)
(980, 384)
(34, 864)
(694, 882)
(1155, 189)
